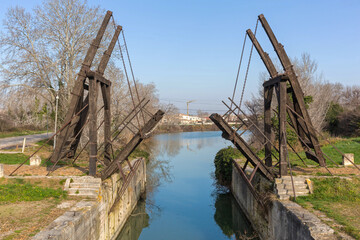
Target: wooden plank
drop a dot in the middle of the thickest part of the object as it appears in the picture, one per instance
(230, 134)
(299, 95)
(132, 144)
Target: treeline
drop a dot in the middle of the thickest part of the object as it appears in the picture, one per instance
(332, 107)
(42, 51)
(343, 116)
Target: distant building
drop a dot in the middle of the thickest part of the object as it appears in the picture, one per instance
(191, 120)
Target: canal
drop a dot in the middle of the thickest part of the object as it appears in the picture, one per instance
(183, 200)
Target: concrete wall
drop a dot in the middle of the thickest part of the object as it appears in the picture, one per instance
(277, 220)
(92, 219)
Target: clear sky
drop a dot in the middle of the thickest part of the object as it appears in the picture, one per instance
(190, 49)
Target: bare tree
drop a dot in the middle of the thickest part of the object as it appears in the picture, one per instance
(42, 50)
(314, 85)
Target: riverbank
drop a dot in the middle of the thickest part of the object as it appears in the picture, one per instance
(185, 128)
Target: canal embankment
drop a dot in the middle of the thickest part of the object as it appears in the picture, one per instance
(276, 219)
(102, 217)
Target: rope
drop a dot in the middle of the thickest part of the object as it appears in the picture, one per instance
(248, 66)
(126, 74)
(132, 73)
(238, 72)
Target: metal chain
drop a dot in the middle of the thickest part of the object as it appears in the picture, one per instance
(132, 73)
(248, 66)
(126, 74)
(238, 72)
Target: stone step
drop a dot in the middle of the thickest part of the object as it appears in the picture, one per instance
(86, 180)
(300, 187)
(283, 197)
(298, 192)
(93, 195)
(84, 185)
(83, 191)
(296, 184)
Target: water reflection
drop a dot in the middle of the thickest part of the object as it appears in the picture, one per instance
(230, 218)
(182, 201)
(138, 220)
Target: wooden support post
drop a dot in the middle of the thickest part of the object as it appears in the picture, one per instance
(299, 95)
(268, 92)
(79, 88)
(107, 123)
(93, 85)
(282, 128)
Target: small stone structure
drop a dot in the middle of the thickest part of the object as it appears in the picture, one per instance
(35, 160)
(346, 158)
(1, 170)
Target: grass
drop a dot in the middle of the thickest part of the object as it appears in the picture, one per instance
(339, 199)
(18, 190)
(16, 158)
(20, 133)
(347, 145)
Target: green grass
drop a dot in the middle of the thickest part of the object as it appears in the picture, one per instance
(349, 145)
(339, 199)
(16, 158)
(19, 190)
(20, 133)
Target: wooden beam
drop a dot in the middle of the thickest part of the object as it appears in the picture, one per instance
(275, 80)
(91, 75)
(132, 144)
(282, 129)
(107, 123)
(230, 134)
(93, 92)
(79, 87)
(299, 95)
(268, 93)
(263, 55)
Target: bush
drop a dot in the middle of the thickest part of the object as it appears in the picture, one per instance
(223, 164)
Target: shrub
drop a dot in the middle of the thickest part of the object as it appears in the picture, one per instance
(223, 164)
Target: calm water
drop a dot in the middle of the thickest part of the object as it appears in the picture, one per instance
(182, 200)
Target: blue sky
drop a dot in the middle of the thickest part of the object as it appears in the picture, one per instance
(190, 49)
